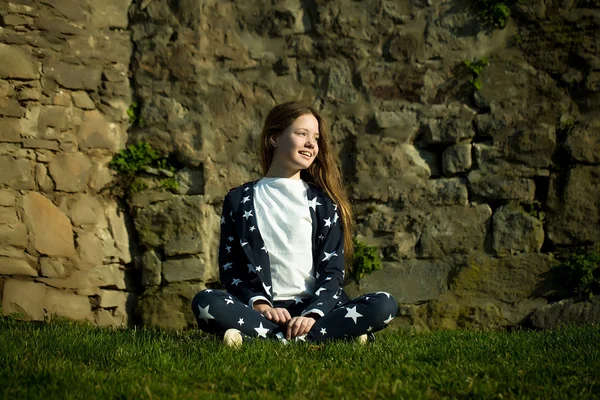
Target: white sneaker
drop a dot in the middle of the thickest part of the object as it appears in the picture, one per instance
(233, 338)
(362, 339)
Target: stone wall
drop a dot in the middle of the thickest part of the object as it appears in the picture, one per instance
(64, 95)
(468, 194)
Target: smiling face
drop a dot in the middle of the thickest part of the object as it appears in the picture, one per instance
(296, 147)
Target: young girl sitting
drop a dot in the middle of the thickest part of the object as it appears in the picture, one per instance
(285, 242)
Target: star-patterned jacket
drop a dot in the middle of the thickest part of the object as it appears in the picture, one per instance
(244, 265)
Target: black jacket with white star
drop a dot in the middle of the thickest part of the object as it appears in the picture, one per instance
(244, 265)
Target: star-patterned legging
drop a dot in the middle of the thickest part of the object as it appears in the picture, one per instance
(216, 311)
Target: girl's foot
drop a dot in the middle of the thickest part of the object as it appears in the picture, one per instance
(233, 338)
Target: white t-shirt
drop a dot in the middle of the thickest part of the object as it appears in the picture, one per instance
(284, 222)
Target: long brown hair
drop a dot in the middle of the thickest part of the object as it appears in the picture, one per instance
(324, 172)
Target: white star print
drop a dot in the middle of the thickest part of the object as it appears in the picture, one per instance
(386, 293)
(319, 290)
(259, 268)
(245, 199)
(241, 321)
(208, 290)
(230, 238)
(335, 207)
(228, 248)
(369, 329)
(329, 255)
(321, 237)
(320, 304)
(248, 214)
(262, 332)
(335, 218)
(236, 281)
(387, 321)
(251, 268)
(335, 296)
(227, 266)
(313, 204)
(265, 249)
(327, 222)
(323, 331)
(252, 228)
(246, 189)
(204, 314)
(352, 313)
(367, 298)
(301, 338)
(318, 274)
(229, 301)
(222, 220)
(242, 243)
(328, 278)
(298, 300)
(267, 288)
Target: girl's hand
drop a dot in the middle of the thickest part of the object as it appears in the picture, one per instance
(299, 326)
(279, 316)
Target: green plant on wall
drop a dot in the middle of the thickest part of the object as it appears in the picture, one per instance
(476, 68)
(580, 274)
(366, 260)
(494, 13)
(534, 209)
(134, 112)
(133, 160)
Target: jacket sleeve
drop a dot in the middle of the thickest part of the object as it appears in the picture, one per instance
(329, 262)
(233, 263)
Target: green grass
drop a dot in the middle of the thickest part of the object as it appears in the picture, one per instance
(68, 360)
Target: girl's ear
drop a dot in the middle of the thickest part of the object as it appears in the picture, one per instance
(273, 140)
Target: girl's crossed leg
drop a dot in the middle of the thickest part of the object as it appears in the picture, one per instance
(216, 311)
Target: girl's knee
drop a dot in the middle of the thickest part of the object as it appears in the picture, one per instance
(386, 304)
(203, 297)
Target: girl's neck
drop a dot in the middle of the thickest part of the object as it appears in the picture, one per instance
(275, 172)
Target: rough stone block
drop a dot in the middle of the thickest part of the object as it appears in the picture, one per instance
(447, 192)
(500, 187)
(534, 145)
(574, 206)
(387, 169)
(26, 298)
(16, 266)
(31, 143)
(11, 108)
(447, 131)
(13, 235)
(106, 318)
(52, 268)
(515, 231)
(151, 268)
(90, 281)
(10, 130)
(8, 216)
(71, 9)
(421, 280)
(584, 141)
(455, 229)
(69, 305)
(112, 14)
(86, 209)
(187, 269)
(72, 76)
(54, 119)
(168, 307)
(567, 312)
(70, 171)
(113, 299)
(7, 197)
(17, 63)
(119, 231)
(45, 184)
(96, 132)
(27, 94)
(56, 26)
(456, 159)
(51, 232)
(400, 125)
(190, 243)
(90, 248)
(83, 101)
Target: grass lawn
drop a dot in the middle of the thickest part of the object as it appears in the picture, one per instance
(68, 360)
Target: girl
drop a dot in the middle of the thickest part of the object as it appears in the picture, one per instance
(285, 240)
